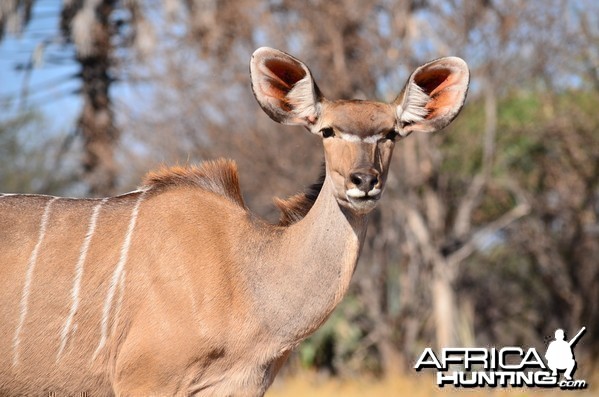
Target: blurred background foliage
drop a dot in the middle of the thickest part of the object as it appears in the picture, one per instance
(488, 234)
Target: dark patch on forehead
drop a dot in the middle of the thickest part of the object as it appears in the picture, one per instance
(361, 118)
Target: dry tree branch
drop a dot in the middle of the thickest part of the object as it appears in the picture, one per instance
(463, 220)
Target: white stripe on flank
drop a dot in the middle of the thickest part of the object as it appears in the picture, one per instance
(28, 278)
(64, 336)
(119, 302)
(117, 274)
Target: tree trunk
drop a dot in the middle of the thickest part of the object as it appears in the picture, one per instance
(444, 305)
(96, 122)
(373, 287)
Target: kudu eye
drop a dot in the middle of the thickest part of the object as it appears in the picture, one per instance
(392, 135)
(327, 132)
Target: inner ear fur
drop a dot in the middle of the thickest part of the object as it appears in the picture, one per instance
(433, 96)
(284, 87)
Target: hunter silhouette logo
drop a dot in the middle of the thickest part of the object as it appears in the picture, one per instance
(559, 354)
(509, 366)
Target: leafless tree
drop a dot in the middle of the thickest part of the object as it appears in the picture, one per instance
(95, 31)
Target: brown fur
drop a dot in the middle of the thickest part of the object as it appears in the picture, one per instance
(217, 176)
(221, 177)
(295, 208)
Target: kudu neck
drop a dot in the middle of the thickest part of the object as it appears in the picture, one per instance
(327, 212)
(307, 268)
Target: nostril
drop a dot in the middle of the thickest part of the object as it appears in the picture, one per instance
(356, 179)
(373, 182)
(364, 181)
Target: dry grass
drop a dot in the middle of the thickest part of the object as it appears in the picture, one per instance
(419, 385)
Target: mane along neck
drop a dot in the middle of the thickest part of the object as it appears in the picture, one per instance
(217, 176)
(296, 207)
(221, 177)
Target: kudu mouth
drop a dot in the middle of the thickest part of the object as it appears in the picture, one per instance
(363, 189)
(365, 203)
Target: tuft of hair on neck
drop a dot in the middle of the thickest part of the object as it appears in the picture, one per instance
(295, 208)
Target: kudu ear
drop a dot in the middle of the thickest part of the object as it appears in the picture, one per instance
(433, 96)
(284, 87)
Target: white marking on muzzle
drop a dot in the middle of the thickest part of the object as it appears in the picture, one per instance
(374, 192)
(354, 192)
(357, 193)
(78, 277)
(28, 278)
(118, 274)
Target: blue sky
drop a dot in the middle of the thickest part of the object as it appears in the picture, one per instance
(50, 84)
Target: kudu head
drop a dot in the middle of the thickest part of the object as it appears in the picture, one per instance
(358, 136)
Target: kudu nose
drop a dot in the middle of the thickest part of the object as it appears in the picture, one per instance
(364, 180)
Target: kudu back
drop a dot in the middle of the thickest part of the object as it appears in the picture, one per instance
(178, 289)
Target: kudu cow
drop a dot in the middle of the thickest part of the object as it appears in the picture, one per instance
(178, 289)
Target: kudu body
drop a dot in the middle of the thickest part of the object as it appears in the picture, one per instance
(177, 289)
